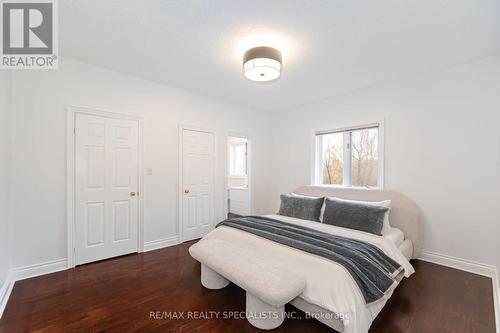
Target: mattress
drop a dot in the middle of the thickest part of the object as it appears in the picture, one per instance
(406, 248)
(326, 316)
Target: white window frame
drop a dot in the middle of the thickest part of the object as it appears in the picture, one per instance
(316, 168)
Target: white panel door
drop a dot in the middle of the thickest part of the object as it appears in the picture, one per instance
(106, 184)
(197, 183)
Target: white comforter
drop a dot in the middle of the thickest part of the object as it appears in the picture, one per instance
(328, 285)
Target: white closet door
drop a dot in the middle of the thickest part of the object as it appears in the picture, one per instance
(106, 183)
(197, 183)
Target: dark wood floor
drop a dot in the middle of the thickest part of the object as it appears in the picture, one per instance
(119, 295)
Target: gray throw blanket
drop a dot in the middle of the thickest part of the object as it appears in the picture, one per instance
(374, 272)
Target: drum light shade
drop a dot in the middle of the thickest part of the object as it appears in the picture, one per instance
(262, 64)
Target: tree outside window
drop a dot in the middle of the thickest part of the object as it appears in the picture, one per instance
(348, 157)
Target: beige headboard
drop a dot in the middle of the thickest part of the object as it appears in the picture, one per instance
(404, 212)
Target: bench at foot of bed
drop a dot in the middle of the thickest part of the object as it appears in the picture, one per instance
(268, 286)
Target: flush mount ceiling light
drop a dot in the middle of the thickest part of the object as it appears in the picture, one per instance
(262, 64)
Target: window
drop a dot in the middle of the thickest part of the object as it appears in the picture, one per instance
(238, 158)
(348, 157)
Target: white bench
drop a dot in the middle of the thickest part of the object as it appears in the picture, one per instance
(269, 287)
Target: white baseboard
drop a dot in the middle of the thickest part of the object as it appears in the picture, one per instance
(21, 273)
(496, 299)
(161, 243)
(458, 263)
(472, 267)
(26, 272)
(5, 291)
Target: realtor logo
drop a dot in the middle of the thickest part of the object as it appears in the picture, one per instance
(29, 34)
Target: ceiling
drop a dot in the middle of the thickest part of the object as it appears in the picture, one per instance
(330, 47)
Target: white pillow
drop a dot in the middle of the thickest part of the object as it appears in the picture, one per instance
(386, 203)
(395, 235)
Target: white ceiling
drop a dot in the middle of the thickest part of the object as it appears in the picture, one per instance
(333, 46)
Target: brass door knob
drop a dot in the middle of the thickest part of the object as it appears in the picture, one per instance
(132, 194)
(186, 191)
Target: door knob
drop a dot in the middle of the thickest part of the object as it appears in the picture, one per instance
(132, 194)
(186, 191)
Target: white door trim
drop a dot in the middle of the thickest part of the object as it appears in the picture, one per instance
(249, 170)
(71, 112)
(183, 127)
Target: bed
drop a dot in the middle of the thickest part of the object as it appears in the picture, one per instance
(325, 290)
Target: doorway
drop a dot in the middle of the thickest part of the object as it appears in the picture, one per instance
(238, 176)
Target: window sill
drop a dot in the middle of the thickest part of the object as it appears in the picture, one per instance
(349, 187)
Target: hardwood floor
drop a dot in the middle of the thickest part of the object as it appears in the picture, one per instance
(119, 295)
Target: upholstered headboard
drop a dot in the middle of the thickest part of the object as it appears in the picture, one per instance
(404, 212)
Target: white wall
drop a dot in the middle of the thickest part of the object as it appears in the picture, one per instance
(441, 149)
(39, 149)
(498, 220)
(5, 114)
(441, 144)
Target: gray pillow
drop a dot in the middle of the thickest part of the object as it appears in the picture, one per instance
(353, 215)
(301, 207)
